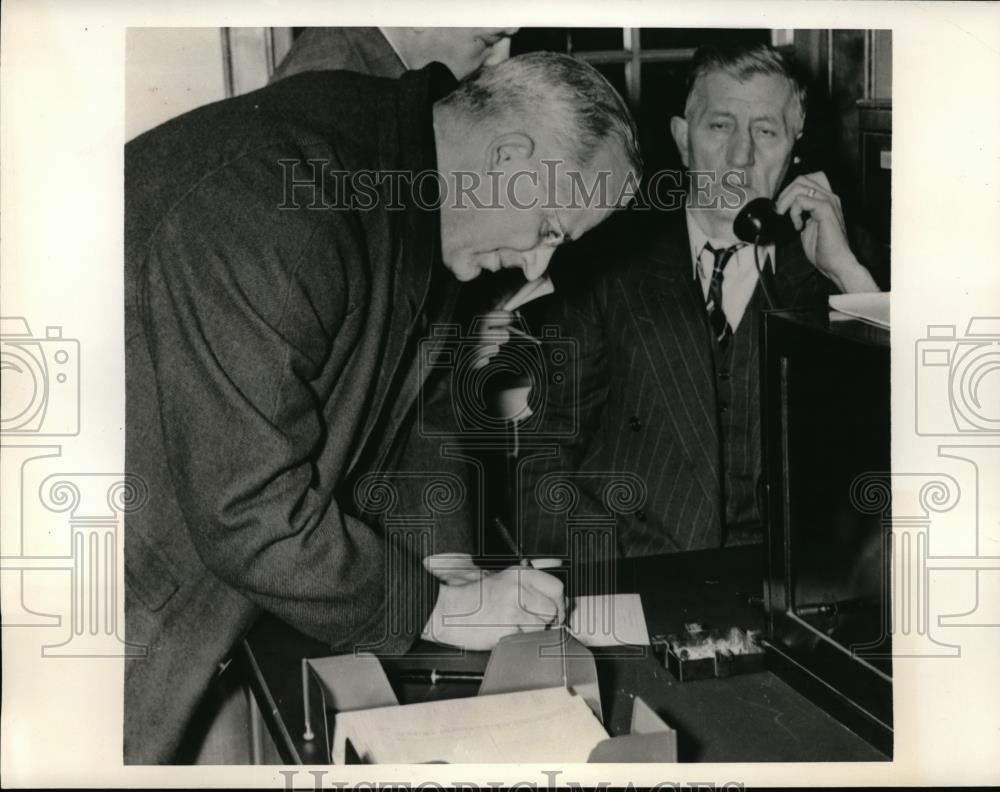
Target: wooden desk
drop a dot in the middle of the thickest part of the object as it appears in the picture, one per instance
(740, 719)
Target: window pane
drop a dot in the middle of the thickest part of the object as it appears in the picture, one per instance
(674, 38)
(538, 39)
(663, 90)
(595, 39)
(615, 73)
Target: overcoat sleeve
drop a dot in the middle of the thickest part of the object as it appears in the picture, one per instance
(253, 316)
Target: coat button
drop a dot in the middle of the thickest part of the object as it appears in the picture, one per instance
(723, 407)
(724, 374)
(634, 423)
(640, 515)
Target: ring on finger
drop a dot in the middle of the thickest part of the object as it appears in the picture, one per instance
(812, 192)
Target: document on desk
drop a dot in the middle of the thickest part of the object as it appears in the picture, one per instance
(871, 307)
(609, 620)
(550, 725)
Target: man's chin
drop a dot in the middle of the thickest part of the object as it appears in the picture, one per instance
(463, 270)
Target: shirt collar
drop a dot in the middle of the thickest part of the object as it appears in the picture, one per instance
(698, 238)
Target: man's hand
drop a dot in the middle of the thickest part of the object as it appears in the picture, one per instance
(490, 331)
(824, 233)
(477, 614)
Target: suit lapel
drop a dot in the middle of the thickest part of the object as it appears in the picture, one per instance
(668, 311)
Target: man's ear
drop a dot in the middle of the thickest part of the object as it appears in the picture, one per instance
(508, 148)
(679, 129)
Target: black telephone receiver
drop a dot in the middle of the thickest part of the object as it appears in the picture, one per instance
(758, 223)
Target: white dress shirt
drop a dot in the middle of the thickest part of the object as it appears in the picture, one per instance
(740, 276)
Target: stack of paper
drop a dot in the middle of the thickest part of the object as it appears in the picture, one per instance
(549, 725)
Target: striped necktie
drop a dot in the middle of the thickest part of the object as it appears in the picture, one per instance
(713, 303)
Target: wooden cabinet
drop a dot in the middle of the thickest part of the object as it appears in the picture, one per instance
(849, 131)
(875, 176)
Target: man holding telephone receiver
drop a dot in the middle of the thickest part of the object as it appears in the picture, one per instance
(668, 331)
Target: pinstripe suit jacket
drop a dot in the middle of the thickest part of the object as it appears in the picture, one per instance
(640, 399)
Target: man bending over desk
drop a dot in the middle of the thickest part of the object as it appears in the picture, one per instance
(277, 288)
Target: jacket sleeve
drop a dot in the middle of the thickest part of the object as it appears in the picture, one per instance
(571, 406)
(436, 476)
(248, 314)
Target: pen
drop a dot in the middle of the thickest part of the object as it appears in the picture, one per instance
(536, 563)
(433, 676)
(501, 526)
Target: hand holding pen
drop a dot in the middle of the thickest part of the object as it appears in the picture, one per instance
(477, 607)
(496, 327)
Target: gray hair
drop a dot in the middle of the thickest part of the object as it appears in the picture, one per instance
(741, 62)
(581, 110)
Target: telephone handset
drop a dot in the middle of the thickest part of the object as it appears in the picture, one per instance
(758, 223)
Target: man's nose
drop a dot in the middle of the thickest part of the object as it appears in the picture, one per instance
(537, 262)
(741, 149)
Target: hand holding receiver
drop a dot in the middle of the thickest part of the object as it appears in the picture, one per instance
(816, 213)
(476, 614)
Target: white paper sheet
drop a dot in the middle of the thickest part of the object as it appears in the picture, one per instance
(549, 725)
(871, 307)
(610, 620)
